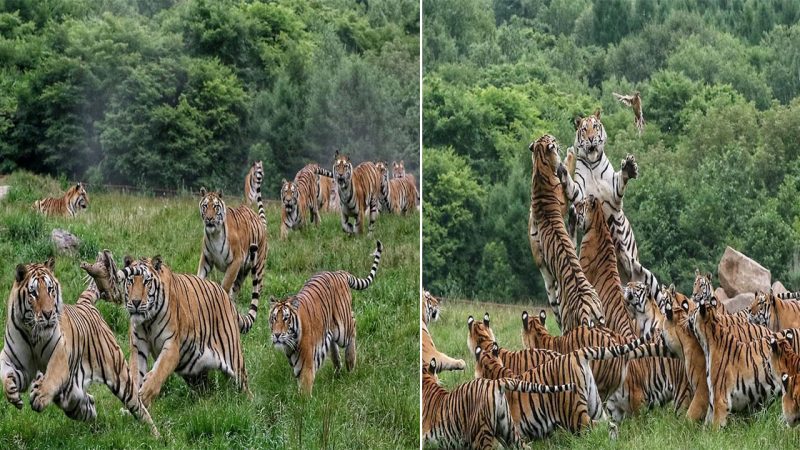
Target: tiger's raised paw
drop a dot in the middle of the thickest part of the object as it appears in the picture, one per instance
(39, 400)
(561, 171)
(12, 391)
(630, 168)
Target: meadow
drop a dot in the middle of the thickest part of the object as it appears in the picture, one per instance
(660, 426)
(375, 406)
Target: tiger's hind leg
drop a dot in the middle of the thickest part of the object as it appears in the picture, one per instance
(124, 389)
(350, 352)
(76, 403)
(337, 361)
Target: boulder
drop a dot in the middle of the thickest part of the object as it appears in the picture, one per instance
(720, 294)
(3, 191)
(777, 288)
(739, 274)
(64, 240)
(738, 303)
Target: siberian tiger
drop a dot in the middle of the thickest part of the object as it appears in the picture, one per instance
(599, 262)
(74, 200)
(430, 311)
(399, 172)
(71, 344)
(739, 373)
(359, 191)
(680, 339)
(786, 361)
(228, 237)
(576, 302)
(326, 194)
(252, 183)
(474, 414)
(317, 320)
(771, 311)
(301, 198)
(398, 195)
(647, 315)
(187, 324)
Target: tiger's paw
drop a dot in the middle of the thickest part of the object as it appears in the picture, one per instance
(12, 391)
(561, 171)
(39, 399)
(630, 168)
(461, 365)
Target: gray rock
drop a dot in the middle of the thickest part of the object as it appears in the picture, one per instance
(777, 288)
(64, 240)
(738, 303)
(720, 294)
(739, 274)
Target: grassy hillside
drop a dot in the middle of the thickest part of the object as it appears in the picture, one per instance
(764, 429)
(375, 406)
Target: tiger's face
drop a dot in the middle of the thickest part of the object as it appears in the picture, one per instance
(212, 210)
(290, 195)
(782, 355)
(642, 307)
(590, 137)
(258, 171)
(702, 288)
(545, 154)
(761, 307)
(342, 169)
(588, 212)
(704, 317)
(78, 196)
(480, 334)
(677, 309)
(284, 324)
(40, 297)
(398, 169)
(383, 171)
(431, 307)
(143, 293)
(791, 399)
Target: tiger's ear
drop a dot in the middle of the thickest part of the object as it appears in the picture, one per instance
(470, 321)
(219, 194)
(401, 162)
(478, 351)
(708, 276)
(495, 349)
(336, 153)
(284, 181)
(597, 113)
(672, 289)
(713, 301)
(789, 336)
(785, 380)
(696, 272)
(202, 191)
(295, 302)
(432, 366)
(128, 261)
(21, 272)
(78, 186)
(773, 344)
(525, 320)
(486, 319)
(542, 317)
(272, 301)
(50, 263)
(685, 305)
(576, 121)
(157, 261)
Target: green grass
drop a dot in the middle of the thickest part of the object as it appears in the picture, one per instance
(659, 427)
(375, 406)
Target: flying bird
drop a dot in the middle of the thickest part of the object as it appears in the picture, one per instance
(635, 102)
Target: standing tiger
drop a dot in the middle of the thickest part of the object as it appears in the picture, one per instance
(252, 183)
(74, 200)
(317, 320)
(301, 198)
(229, 235)
(359, 191)
(771, 311)
(398, 195)
(474, 414)
(71, 344)
(399, 172)
(187, 324)
(599, 262)
(576, 302)
(326, 194)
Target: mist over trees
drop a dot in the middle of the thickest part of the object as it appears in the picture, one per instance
(718, 160)
(178, 94)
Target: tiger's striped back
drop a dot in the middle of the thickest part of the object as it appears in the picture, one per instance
(578, 303)
(74, 200)
(772, 311)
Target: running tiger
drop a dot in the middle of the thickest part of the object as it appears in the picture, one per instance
(187, 324)
(359, 191)
(71, 344)
(252, 183)
(317, 320)
(228, 236)
(74, 200)
(576, 302)
(301, 198)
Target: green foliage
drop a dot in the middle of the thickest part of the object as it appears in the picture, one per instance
(364, 408)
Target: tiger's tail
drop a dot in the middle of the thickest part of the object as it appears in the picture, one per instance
(246, 320)
(260, 203)
(602, 353)
(515, 385)
(650, 350)
(360, 284)
(789, 295)
(323, 172)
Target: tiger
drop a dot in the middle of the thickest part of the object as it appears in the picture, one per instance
(644, 309)
(326, 194)
(300, 197)
(738, 372)
(576, 302)
(103, 273)
(359, 191)
(431, 312)
(680, 339)
(252, 183)
(575, 411)
(599, 262)
(319, 319)
(228, 236)
(608, 374)
(769, 310)
(61, 348)
(189, 325)
(398, 195)
(399, 169)
(399, 172)
(474, 414)
(786, 361)
(74, 200)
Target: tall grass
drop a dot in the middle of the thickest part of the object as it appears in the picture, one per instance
(656, 428)
(375, 406)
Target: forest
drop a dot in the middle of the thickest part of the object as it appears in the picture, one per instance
(177, 94)
(718, 158)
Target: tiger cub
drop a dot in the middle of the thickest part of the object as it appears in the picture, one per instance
(187, 324)
(317, 320)
(474, 414)
(70, 344)
(229, 234)
(74, 200)
(359, 191)
(300, 198)
(252, 183)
